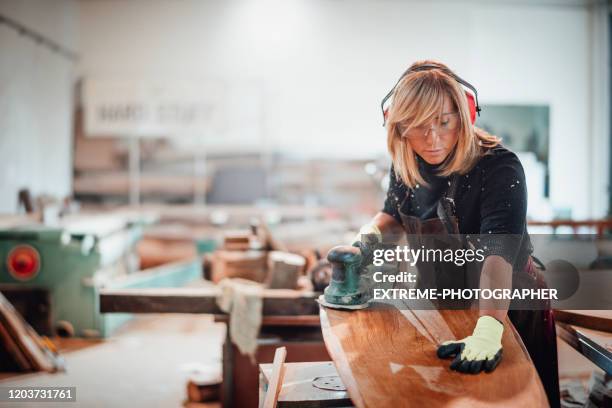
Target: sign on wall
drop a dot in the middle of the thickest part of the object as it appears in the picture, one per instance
(148, 108)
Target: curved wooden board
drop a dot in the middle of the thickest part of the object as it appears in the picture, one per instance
(387, 358)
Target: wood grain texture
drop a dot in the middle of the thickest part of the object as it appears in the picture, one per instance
(387, 358)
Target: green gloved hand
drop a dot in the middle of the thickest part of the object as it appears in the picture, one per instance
(480, 351)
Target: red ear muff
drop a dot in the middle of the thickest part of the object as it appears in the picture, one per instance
(472, 97)
(472, 105)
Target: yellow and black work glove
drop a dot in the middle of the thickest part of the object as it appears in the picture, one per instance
(480, 351)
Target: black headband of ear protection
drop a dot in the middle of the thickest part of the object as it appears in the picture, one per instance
(427, 67)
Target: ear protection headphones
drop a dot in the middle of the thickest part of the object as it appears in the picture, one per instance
(471, 95)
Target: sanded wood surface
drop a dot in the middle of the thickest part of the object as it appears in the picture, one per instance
(591, 319)
(387, 358)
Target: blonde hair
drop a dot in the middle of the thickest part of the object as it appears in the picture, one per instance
(417, 99)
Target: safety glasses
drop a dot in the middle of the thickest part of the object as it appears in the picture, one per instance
(447, 124)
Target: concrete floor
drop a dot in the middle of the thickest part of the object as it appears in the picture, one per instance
(145, 364)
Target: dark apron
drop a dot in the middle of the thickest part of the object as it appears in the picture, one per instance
(536, 327)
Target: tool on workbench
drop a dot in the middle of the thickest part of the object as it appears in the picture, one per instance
(346, 289)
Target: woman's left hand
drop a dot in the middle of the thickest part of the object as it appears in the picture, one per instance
(480, 351)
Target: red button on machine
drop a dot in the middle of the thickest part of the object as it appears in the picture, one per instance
(23, 262)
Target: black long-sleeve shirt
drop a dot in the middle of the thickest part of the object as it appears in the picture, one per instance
(491, 201)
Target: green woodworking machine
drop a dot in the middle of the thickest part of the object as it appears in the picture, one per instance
(70, 263)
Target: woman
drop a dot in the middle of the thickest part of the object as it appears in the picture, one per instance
(441, 162)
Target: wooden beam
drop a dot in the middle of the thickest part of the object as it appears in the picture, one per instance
(591, 319)
(276, 302)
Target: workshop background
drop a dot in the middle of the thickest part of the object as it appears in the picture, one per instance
(164, 145)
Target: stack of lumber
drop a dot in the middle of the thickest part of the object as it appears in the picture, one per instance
(101, 168)
(23, 345)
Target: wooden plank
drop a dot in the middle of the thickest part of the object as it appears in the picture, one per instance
(594, 345)
(276, 379)
(298, 391)
(13, 349)
(160, 300)
(301, 321)
(387, 357)
(32, 303)
(24, 337)
(276, 302)
(592, 319)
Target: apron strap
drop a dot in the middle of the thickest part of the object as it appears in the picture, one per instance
(448, 196)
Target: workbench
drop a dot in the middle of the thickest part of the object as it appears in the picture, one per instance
(201, 299)
(290, 319)
(589, 332)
